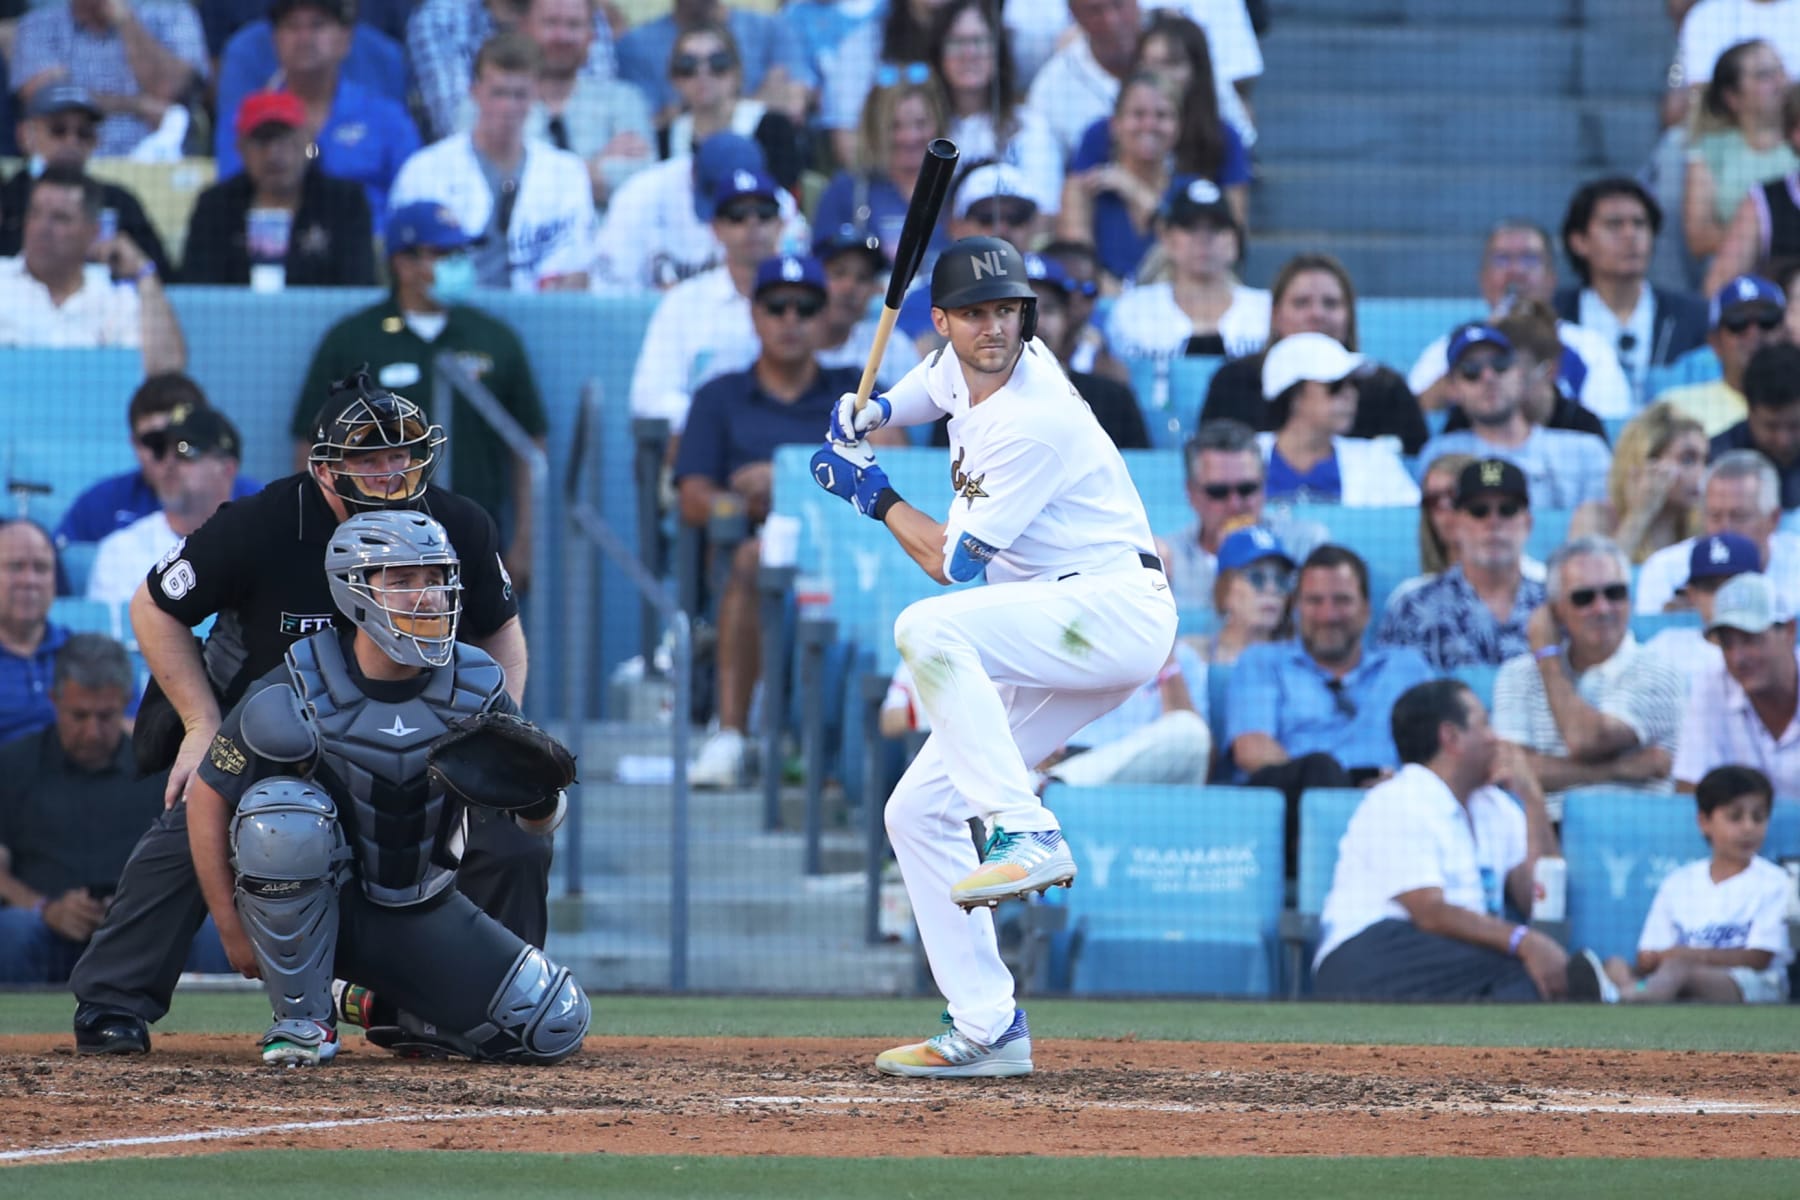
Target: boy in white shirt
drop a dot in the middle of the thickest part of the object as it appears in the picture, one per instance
(1717, 930)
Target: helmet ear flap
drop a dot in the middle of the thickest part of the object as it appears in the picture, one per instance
(1027, 320)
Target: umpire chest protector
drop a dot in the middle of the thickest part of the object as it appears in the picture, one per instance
(405, 834)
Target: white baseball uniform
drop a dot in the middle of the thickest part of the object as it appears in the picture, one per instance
(1072, 621)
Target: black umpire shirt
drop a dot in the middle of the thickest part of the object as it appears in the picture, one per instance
(259, 563)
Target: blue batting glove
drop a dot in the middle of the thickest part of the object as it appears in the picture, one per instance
(849, 426)
(849, 473)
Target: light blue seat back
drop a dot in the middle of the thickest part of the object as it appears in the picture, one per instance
(1645, 626)
(62, 421)
(1619, 846)
(81, 615)
(1549, 529)
(1480, 679)
(1324, 815)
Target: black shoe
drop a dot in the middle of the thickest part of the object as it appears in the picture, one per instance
(113, 1033)
(406, 1042)
(1588, 981)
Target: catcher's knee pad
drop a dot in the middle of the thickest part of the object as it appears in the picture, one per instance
(289, 853)
(538, 1015)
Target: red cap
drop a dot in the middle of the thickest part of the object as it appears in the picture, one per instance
(266, 108)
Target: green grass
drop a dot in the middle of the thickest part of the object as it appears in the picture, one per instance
(1729, 1028)
(402, 1176)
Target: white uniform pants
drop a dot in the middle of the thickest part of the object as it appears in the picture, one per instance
(1174, 748)
(1007, 673)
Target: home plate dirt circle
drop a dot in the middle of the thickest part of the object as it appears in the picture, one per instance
(207, 1093)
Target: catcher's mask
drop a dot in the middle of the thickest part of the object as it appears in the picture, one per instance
(396, 576)
(378, 447)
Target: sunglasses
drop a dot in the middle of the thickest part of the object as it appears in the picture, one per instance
(1615, 593)
(1508, 509)
(1340, 699)
(1471, 368)
(805, 306)
(1224, 491)
(686, 66)
(1440, 501)
(737, 214)
(156, 441)
(81, 131)
(991, 215)
(1738, 322)
(889, 74)
(1270, 579)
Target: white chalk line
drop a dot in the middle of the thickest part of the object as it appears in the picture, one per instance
(1599, 1104)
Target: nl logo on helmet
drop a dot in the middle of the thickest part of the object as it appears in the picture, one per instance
(987, 264)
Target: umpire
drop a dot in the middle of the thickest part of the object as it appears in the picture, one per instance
(258, 565)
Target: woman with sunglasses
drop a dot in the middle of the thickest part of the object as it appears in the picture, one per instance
(898, 123)
(708, 76)
(1735, 143)
(878, 53)
(1312, 397)
(1653, 490)
(972, 62)
(1249, 595)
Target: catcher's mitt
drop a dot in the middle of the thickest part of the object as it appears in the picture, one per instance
(501, 761)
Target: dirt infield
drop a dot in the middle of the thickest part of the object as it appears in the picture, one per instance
(202, 1094)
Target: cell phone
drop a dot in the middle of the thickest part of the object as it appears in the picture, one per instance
(1362, 775)
(109, 224)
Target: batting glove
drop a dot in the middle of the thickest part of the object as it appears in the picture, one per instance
(849, 426)
(851, 474)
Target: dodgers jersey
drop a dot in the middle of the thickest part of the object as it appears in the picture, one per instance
(1746, 912)
(1035, 476)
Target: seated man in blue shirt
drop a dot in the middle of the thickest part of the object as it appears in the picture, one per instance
(1313, 712)
(733, 427)
(29, 640)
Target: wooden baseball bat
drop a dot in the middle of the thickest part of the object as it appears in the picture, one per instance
(915, 237)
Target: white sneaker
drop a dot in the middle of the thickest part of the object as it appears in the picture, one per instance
(720, 763)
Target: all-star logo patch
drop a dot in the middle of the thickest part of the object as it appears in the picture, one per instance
(225, 755)
(304, 624)
(967, 486)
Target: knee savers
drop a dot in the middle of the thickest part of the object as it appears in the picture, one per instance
(289, 853)
(538, 1015)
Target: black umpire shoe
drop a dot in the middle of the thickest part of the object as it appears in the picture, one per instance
(112, 1033)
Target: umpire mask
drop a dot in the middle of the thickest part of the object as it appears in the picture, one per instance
(377, 445)
(396, 576)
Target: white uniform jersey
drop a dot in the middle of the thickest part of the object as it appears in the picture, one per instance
(1746, 912)
(1036, 478)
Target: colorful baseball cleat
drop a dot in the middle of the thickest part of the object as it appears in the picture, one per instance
(953, 1055)
(299, 1044)
(1014, 865)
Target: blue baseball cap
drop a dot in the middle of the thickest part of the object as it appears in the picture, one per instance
(425, 223)
(789, 270)
(1744, 289)
(1722, 555)
(1039, 269)
(846, 238)
(1475, 333)
(715, 161)
(1248, 545)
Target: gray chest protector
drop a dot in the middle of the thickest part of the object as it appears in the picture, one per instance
(406, 836)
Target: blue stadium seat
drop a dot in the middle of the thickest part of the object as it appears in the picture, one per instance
(1480, 678)
(1324, 815)
(81, 615)
(1549, 529)
(1645, 626)
(1180, 888)
(1619, 845)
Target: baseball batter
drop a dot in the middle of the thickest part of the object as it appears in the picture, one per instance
(1076, 616)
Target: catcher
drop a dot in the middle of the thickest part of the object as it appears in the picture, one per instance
(328, 819)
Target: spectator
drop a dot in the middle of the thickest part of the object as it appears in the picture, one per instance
(1518, 263)
(1588, 704)
(708, 76)
(1744, 710)
(60, 130)
(814, 29)
(1747, 314)
(1430, 863)
(1714, 559)
(1115, 203)
(1090, 352)
(1608, 233)
(1313, 712)
(1307, 379)
(1735, 144)
(71, 808)
(1474, 612)
(1713, 26)
(443, 41)
(741, 417)
(604, 122)
(767, 63)
(399, 339)
(351, 130)
(704, 326)
(883, 52)
(247, 62)
(1175, 50)
(1202, 308)
(1549, 393)
(29, 640)
(1718, 928)
(898, 123)
(49, 298)
(1741, 494)
(1771, 427)
(854, 265)
(1653, 489)
(1249, 595)
(1312, 293)
(988, 199)
(1490, 379)
(223, 20)
(1224, 476)
(1786, 275)
(530, 204)
(203, 450)
(282, 214)
(117, 501)
(1766, 224)
(138, 61)
(972, 63)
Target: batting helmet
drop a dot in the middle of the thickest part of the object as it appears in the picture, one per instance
(980, 269)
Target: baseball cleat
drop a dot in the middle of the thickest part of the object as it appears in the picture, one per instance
(1589, 981)
(953, 1055)
(112, 1033)
(1014, 865)
(299, 1044)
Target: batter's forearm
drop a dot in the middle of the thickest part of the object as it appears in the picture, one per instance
(506, 646)
(169, 648)
(921, 537)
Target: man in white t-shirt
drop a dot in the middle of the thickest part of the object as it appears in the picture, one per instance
(1747, 709)
(204, 450)
(1741, 494)
(1430, 864)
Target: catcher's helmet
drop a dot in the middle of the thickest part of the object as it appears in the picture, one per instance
(978, 270)
(410, 625)
(361, 418)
